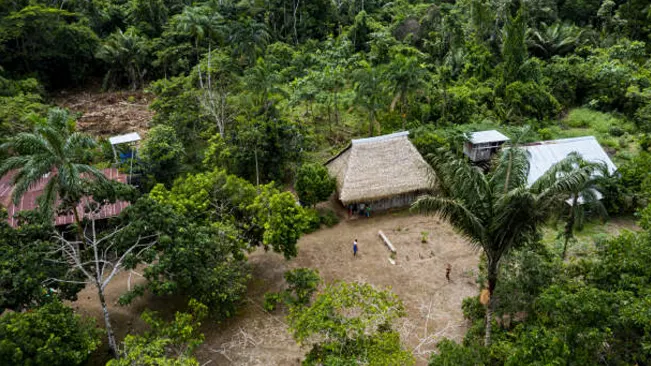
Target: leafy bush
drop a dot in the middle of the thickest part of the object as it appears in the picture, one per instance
(616, 131)
(314, 184)
(302, 282)
(473, 309)
(328, 217)
(47, 336)
(313, 219)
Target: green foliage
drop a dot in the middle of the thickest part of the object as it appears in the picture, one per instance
(202, 262)
(531, 100)
(27, 262)
(127, 54)
(314, 184)
(54, 44)
(282, 219)
(52, 148)
(49, 335)
(167, 343)
(302, 283)
(162, 153)
(357, 321)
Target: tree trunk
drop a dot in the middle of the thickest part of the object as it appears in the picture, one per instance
(402, 112)
(492, 282)
(113, 349)
(336, 110)
(569, 226)
(257, 171)
(371, 124)
(80, 231)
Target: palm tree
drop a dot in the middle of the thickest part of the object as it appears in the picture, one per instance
(262, 81)
(199, 22)
(368, 91)
(126, 53)
(406, 76)
(53, 149)
(249, 39)
(496, 211)
(556, 39)
(584, 198)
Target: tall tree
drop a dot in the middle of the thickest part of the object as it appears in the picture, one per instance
(126, 53)
(497, 211)
(55, 150)
(584, 198)
(514, 48)
(406, 75)
(368, 87)
(556, 39)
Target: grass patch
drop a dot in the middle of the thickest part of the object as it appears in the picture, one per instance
(593, 232)
(614, 133)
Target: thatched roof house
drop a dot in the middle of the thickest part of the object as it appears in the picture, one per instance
(385, 171)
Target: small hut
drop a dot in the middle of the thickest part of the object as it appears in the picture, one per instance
(383, 172)
(483, 144)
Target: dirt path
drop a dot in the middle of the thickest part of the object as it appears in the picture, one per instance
(255, 337)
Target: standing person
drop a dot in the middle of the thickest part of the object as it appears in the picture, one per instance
(448, 269)
(350, 210)
(368, 211)
(355, 248)
(361, 209)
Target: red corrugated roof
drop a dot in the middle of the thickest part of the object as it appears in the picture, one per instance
(28, 202)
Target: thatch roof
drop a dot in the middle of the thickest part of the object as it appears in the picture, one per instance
(375, 168)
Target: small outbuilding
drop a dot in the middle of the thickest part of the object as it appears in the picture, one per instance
(383, 172)
(482, 145)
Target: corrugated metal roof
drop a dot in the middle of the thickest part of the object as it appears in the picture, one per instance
(121, 139)
(29, 199)
(481, 137)
(542, 155)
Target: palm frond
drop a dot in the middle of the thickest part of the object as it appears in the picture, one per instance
(511, 169)
(469, 225)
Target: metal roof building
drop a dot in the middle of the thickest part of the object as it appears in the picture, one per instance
(29, 201)
(544, 154)
(482, 145)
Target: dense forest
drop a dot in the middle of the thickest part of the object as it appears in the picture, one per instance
(251, 97)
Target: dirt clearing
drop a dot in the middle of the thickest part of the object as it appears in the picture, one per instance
(433, 305)
(110, 113)
(255, 337)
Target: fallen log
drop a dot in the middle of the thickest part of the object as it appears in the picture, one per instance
(387, 241)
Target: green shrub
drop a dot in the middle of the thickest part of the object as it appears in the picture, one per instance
(328, 218)
(616, 131)
(472, 308)
(313, 218)
(271, 300)
(50, 335)
(545, 134)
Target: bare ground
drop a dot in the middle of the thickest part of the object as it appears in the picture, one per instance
(255, 337)
(109, 113)
(433, 305)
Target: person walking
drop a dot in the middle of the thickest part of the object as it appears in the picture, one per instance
(355, 248)
(448, 269)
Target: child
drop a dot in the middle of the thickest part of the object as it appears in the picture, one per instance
(355, 248)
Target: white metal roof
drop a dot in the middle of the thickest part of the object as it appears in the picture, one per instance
(481, 137)
(380, 138)
(542, 155)
(121, 139)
